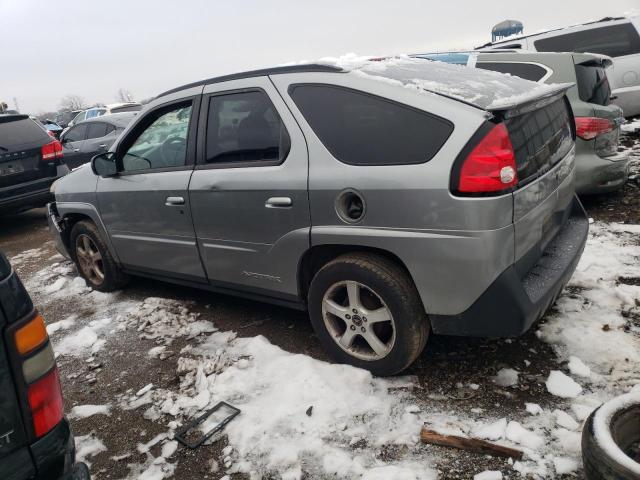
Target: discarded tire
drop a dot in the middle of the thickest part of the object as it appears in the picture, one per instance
(611, 440)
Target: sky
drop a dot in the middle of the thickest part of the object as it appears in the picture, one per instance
(93, 48)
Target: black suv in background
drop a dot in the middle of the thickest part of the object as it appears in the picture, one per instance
(30, 161)
(35, 439)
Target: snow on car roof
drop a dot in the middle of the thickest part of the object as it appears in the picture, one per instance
(481, 88)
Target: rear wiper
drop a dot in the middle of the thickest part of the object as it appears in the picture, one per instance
(4, 148)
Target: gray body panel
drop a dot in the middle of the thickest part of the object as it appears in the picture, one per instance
(243, 240)
(453, 247)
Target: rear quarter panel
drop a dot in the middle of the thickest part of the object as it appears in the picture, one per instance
(410, 211)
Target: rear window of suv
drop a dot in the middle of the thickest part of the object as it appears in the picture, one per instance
(614, 40)
(528, 71)
(363, 129)
(593, 85)
(17, 130)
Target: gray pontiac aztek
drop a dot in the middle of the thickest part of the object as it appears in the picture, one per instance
(389, 198)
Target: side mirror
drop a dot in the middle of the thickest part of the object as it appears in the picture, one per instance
(104, 165)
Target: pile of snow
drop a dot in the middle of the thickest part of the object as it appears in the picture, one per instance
(84, 411)
(507, 377)
(561, 385)
(590, 322)
(631, 126)
(164, 320)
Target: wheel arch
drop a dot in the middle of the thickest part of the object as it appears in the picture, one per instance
(319, 255)
(71, 214)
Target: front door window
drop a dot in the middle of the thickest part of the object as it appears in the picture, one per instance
(162, 144)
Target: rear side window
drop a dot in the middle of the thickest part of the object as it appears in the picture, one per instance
(528, 71)
(76, 133)
(96, 130)
(362, 129)
(20, 130)
(615, 41)
(593, 85)
(245, 127)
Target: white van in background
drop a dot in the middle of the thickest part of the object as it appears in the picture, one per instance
(618, 38)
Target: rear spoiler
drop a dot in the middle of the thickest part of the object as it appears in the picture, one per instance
(529, 101)
(592, 59)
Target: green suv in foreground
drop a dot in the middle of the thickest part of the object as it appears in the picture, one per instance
(35, 439)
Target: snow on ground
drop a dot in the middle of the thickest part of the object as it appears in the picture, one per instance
(302, 416)
(631, 126)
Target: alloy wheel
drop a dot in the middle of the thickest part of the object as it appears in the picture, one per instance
(358, 320)
(89, 259)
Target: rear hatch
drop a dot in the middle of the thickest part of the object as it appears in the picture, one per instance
(542, 133)
(604, 120)
(12, 432)
(530, 129)
(21, 161)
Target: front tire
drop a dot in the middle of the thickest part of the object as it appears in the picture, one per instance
(93, 259)
(367, 313)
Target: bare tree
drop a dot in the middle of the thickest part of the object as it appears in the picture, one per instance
(124, 95)
(73, 102)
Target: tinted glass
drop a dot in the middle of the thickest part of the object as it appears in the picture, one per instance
(615, 41)
(527, 71)
(96, 130)
(362, 129)
(540, 139)
(163, 143)
(593, 85)
(19, 130)
(78, 118)
(110, 128)
(76, 133)
(245, 127)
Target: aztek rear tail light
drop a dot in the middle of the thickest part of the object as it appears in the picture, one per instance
(490, 168)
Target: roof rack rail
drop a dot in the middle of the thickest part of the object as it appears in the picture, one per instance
(308, 67)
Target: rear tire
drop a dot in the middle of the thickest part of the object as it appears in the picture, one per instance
(351, 287)
(93, 258)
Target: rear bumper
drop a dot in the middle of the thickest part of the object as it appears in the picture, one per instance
(595, 174)
(54, 456)
(513, 302)
(30, 195)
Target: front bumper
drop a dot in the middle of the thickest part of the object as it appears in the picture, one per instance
(595, 174)
(56, 228)
(513, 302)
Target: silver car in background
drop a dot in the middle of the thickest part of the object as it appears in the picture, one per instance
(618, 38)
(389, 199)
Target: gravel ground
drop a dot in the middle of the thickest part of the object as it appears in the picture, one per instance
(447, 366)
